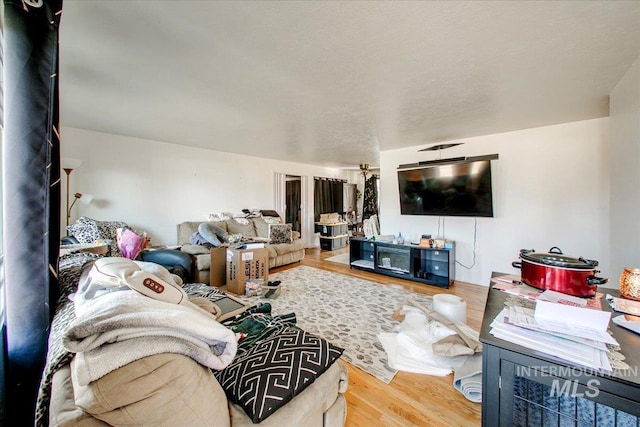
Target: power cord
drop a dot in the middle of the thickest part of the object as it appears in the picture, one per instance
(440, 218)
(475, 237)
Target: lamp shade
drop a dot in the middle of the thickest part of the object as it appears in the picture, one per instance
(84, 198)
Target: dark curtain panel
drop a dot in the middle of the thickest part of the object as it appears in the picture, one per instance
(370, 203)
(31, 179)
(293, 190)
(321, 197)
(337, 195)
(328, 196)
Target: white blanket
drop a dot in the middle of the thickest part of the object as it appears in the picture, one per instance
(411, 350)
(123, 326)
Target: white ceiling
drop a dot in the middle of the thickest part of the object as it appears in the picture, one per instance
(334, 83)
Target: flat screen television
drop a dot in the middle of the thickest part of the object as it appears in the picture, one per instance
(452, 189)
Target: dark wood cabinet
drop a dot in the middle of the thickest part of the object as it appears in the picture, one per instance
(524, 387)
(426, 265)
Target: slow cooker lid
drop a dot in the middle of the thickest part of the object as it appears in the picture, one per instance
(557, 259)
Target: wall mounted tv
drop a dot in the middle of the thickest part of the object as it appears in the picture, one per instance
(461, 188)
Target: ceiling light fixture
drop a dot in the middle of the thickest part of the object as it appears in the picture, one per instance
(441, 146)
(364, 169)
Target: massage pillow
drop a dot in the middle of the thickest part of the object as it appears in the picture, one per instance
(115, 272)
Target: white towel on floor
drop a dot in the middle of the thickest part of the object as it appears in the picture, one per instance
(402, 358)
(411, 349)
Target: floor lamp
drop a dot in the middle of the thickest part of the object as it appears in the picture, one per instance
(84, 198)
(68, 165)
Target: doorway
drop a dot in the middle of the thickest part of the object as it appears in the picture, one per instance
(293, 202)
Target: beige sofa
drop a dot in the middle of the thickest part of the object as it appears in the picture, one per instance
(173, 390)
(279, 254)
(166, 389)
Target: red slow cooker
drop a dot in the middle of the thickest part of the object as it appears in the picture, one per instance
(558, 272)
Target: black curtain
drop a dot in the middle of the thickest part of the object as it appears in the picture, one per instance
(328, 196)
(293, 190)
(31, 179)
(370, 203)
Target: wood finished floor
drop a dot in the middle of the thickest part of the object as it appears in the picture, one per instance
(410, 399)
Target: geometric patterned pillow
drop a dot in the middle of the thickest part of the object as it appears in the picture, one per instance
(88, 230)
(275, 370)
(109, 230)
(85, 230)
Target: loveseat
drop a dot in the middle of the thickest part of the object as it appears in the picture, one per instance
(170, 389)
(86, 232)
(256, 228)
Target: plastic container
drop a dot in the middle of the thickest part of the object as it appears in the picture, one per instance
(253, 287)
(270, 291)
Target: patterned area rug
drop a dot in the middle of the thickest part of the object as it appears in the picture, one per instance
(347, 311)
(342, 258)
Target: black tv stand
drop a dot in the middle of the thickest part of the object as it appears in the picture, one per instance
(406, 261)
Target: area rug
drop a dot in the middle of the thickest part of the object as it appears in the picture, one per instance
(347, 311)
(342, 258)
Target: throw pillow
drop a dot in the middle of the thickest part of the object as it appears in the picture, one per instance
(261, 226)
(85, 230)
(280, 233)
(272, 219)
(109, 231)
(130, 243)
(218, 216)
(275, 370)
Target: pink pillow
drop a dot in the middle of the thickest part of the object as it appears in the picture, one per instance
(130, 243)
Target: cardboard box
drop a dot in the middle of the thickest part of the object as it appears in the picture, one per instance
(329, 218)
(243, 264)
(218, 271)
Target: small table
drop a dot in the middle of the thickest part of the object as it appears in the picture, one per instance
(518, 383)
(96, 248)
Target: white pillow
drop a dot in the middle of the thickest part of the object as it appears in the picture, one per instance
(271, 219)
(217, 216)
(242, 221)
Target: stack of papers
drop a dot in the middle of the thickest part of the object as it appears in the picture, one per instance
(511, 284)
(566, 331)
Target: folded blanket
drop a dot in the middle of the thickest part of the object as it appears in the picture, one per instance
(120, 327)
(468, 378)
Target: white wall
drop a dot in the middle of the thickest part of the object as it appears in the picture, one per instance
(153, 186)
(550, 188)
(625, 172)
